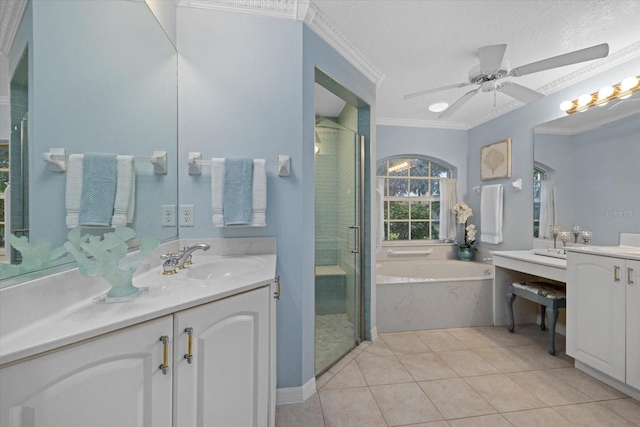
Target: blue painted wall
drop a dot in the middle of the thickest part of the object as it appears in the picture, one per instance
(247, 90)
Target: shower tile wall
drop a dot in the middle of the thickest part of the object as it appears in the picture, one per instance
(364, 129)
(19, 109)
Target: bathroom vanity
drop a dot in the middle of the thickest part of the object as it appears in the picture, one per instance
(198, 349)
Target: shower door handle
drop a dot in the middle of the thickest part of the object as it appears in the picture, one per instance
(357, 248)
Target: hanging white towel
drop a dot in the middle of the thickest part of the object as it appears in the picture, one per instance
(124, 204)
(491, 214)
(448, 199)
(73, 191)
(217, 183)
(547, 208)
(380, 205)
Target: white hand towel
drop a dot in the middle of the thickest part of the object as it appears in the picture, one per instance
(217, 184)
(73, 191)
(491, 214)
(259, 194)
(125, 192)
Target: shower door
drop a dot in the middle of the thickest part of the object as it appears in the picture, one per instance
(338, 279)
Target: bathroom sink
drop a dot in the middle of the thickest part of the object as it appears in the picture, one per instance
(225, 267)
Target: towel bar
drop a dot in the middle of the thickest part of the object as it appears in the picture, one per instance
(391, 252)
(517, 184)
(195, 163)
(57, 160)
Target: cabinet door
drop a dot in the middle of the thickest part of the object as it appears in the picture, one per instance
(227, 382)
(113, 380)
(632, 278)
(596, 312)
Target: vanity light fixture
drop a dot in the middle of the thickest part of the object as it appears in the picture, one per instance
(438, 107)
(622, 90)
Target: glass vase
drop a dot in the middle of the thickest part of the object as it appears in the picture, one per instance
(465, 254)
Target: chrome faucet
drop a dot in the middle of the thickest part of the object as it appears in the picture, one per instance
(184, 256)
(180, 259)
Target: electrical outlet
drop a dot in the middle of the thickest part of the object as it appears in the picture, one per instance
(186, 215)
(168, 215)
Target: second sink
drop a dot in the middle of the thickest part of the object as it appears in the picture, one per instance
(225, 267)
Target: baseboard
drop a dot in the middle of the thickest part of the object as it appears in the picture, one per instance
(374, 333)
(620, 386)
(285, 396)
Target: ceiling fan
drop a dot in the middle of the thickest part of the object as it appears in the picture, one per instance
(493, 67)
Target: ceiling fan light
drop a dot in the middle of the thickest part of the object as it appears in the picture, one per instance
(566, 105)
(605, 92)
(584, 100)
(628, 83)
(438, 107)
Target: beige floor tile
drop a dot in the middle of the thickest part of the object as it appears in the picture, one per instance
(628, 408)
(323, 379)
(426, 366)
(537, 354)
(506, 360)
(587, 384)
(433, 424)
(353, 407)
(440, 340)
(378, 348)
(405, 343)
(549, 388)
(502, 336)
(308, 414)
(404, 404)
(496, 420)
(383, 370)
(348, 377)
(473, 337)
(361, 347)
(467, 363)
(503, 393)
(592, 414)
(545, 417)
(454, 398)
(342, 363)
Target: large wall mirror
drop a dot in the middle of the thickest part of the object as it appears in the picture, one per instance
(590, 161)
(96, 76)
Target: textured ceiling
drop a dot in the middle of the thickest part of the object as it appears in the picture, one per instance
(422, 44)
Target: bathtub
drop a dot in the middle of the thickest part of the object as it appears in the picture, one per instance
(433, 294)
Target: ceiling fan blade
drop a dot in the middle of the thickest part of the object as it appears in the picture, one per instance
(491, 57)
(459, 103)
(520, 92)
(575, 57)
(438, 89)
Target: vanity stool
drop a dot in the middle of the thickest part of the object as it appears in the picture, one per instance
(550, 298)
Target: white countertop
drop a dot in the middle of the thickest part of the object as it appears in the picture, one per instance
(82, 319)
(529, 256)
(626, 252)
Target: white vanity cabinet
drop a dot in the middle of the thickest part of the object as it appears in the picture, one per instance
(117, 379)
(603, 324)
(113, 380)
(223, 379)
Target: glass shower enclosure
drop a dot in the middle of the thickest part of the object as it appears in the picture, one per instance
(338, 241)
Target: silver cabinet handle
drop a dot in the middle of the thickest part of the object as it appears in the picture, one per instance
(616, 273)
(357, 249)
(629, 276)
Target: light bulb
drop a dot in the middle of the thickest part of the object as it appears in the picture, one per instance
(628, 83)
(438, 107)
(584, 100)
(605, 92)
(566, 105)
(316, 149)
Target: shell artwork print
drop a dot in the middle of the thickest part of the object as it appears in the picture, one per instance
(495, 160)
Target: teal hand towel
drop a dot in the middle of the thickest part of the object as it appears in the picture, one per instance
(99, 172)
(237, 193)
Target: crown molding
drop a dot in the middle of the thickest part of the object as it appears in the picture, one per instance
(320, 25)
(10, 15)
(596, 67)
(298, 10)
(435, 124)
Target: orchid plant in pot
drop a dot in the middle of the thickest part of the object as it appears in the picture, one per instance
(463, 213)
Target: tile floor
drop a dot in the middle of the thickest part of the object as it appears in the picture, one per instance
(460, 378)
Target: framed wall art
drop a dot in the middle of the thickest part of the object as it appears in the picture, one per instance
(495, 160)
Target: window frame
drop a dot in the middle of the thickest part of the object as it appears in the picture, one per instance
(409, 199)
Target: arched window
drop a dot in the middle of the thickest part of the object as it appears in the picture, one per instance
(411, 197)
